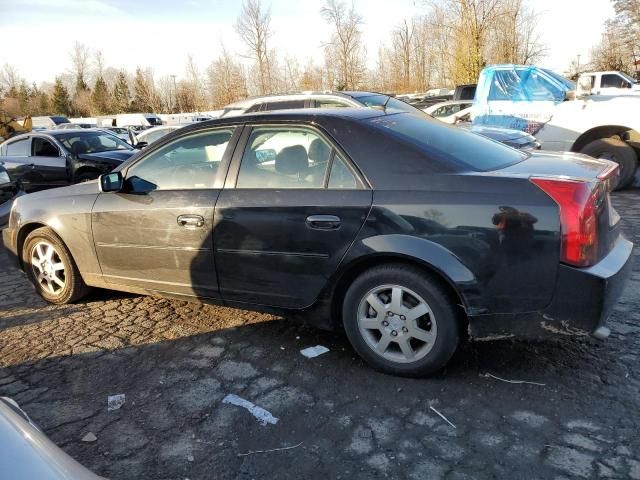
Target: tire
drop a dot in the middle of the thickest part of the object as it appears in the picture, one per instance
(87, 176)
(617, 151)
(59, 280)
(438, 327)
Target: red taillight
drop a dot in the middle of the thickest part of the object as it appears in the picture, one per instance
(578, 218)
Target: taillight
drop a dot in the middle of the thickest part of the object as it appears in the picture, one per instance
(578, 218)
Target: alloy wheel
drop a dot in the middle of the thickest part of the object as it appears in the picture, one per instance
(48, 268)
(397, 323)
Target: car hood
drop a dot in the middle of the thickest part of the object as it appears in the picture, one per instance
(114, 156)
(496, 133)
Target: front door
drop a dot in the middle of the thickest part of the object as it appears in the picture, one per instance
(156, 233)
(50, 166)
(285, 223)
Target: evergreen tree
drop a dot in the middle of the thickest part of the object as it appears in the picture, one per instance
(121, 94)
(61, 102)
(143, 93)
(100, 97)
(23, 99)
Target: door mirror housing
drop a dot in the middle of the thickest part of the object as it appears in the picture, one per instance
(111, 182)
(140, 145)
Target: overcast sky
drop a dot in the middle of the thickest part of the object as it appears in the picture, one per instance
(161, 33)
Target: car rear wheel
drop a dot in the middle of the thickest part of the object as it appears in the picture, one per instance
(51, 269)
(401, 321)
(617, 151)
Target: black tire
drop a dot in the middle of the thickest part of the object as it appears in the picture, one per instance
(87, 176)
(74, 287)
(618, 151)
(414, 279)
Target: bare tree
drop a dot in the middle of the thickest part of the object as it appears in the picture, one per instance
(194, 83)
(227, 80)
(254, 28)
(9, 79)
(402, 42)
(80, 60)
(345, 51)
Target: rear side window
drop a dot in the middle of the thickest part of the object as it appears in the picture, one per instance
(448, 145)
(19, 148)
(341, 177)
(285, 105)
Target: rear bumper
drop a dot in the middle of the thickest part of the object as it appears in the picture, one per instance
(583, 300)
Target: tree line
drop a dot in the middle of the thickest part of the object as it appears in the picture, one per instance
(448, 44)
(619, 48)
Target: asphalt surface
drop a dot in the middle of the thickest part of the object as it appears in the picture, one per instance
(176, 362)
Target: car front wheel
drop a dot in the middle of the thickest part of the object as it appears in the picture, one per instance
(401, 320)
(51, 268)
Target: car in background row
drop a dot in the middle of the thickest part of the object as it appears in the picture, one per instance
(517, 139)
(154, 134)
(405, 231)
(121, 132)
(74, 126)
(27, 453)
(449, 112)
(54, 158)
(48, 121)
(8, 191)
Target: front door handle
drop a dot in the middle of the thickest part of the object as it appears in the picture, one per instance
(323, 222)
(190, 221)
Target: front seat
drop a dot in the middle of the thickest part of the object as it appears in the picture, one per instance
(319, 153)
(293, 164)
(79, 147)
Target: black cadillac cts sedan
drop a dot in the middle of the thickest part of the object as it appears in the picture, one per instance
(404, 231)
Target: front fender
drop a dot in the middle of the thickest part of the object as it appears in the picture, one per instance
(427, 254)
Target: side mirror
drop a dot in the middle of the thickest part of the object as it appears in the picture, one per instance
(4, 177)
(140, 145)
(583, 88)
(111, 182)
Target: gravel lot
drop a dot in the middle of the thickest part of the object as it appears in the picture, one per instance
(176, 361)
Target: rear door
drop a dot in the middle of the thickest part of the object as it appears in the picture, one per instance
(291, 207)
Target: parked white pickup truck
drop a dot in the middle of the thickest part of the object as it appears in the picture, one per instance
(609, 83)
(563, 118)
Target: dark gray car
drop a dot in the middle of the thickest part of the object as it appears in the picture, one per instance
(55, 158)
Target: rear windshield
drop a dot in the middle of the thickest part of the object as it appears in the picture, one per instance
(450, 145)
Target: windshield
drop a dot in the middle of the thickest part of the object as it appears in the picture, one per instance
(564, 81)
(450, 145)
(91, 142)
(629, 78)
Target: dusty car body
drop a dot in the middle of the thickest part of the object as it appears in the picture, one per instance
(350, 217)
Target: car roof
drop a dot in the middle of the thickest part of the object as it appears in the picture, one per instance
(308, 115)
(248, 102)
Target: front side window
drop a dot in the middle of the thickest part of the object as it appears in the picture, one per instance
(18, 148)
(284, 157)
(42, 147)
(614, 81)
(188, 163)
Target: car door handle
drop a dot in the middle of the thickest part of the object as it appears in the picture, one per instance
(323, 222)
(190, 221)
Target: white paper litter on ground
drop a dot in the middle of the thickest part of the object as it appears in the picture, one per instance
(114, 402)
(261, 414)
(312, 352)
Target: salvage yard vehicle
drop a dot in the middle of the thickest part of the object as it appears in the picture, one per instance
(449, 112)
(377, 101)
(8, 191)
(561, 116)
(154, 134)
(59, 157)
(49, 121)
(27, 453)
(403, 230)
(610, 83)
